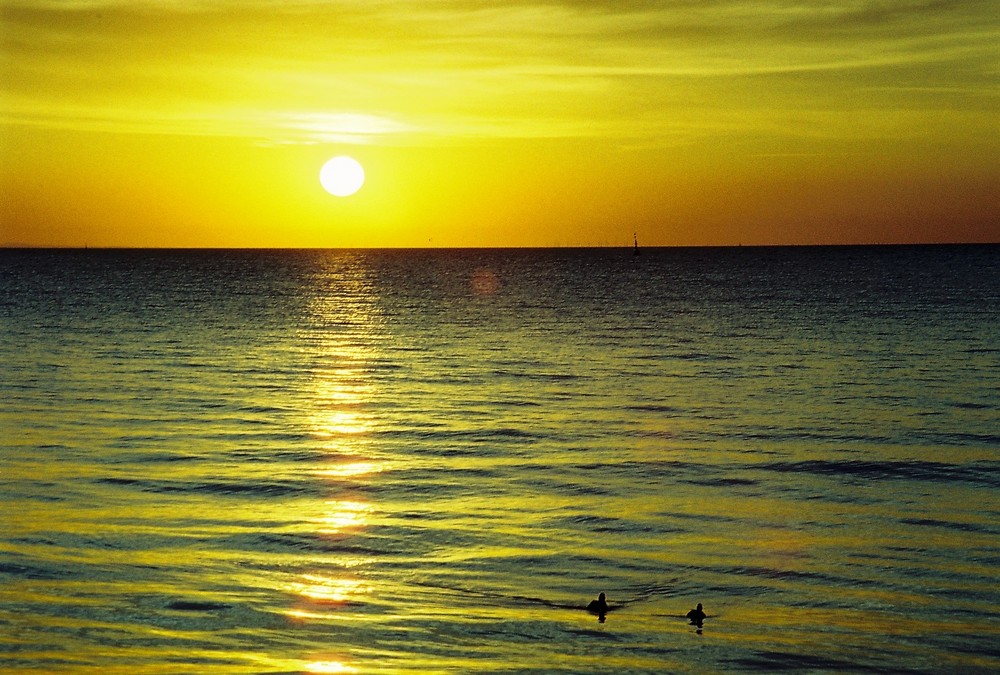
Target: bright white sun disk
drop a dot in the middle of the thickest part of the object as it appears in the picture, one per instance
(342, 176)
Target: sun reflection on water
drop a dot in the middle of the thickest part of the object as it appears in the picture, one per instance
(343, 340)
(328, 589)
(351, 469)
(343, 515)
(328, 667)
(340, 403)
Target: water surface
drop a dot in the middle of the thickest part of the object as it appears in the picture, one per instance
(430, 461)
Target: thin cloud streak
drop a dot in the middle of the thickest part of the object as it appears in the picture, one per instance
(471, 69)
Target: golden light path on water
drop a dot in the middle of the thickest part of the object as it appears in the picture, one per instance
(344, 333)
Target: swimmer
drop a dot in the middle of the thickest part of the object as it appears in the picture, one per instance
(697, 616)
(599, 606)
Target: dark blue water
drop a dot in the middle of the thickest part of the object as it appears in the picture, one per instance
(378, 461)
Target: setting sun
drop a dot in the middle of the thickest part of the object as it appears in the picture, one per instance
(342, 176)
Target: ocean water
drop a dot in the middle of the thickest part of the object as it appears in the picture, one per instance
(431, 461)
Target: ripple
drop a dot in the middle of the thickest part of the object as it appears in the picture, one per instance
(191, 606)
(248, 488)
(983, 473)
(951, 525)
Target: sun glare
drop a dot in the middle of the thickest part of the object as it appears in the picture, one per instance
(342, 176)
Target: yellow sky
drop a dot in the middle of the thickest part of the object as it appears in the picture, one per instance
(523, 123)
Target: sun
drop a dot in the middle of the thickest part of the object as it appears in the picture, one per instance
(342, 176)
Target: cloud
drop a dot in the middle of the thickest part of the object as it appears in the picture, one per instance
(304, 71)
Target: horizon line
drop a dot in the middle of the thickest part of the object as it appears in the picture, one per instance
(34, 247)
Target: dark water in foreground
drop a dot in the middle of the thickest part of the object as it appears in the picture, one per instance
(323, 462)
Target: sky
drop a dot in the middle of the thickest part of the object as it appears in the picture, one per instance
(204, 123)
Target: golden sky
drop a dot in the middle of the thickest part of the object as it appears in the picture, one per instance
(520, 123)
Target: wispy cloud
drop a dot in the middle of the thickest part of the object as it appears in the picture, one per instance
(305, 72)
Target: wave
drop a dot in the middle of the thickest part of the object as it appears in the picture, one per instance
(537, 376)
(609, 525)
(35, 571)
(251, 488)
(982, 473)
(392, 542)
(952, 525)
(794, 575)
(776, 661)
(722, 482)
(192, 606)
(475, 435)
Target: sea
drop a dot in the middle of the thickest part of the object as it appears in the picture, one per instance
(431, 461)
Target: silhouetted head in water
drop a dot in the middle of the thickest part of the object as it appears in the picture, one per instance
(599, 606)
(697, 615)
